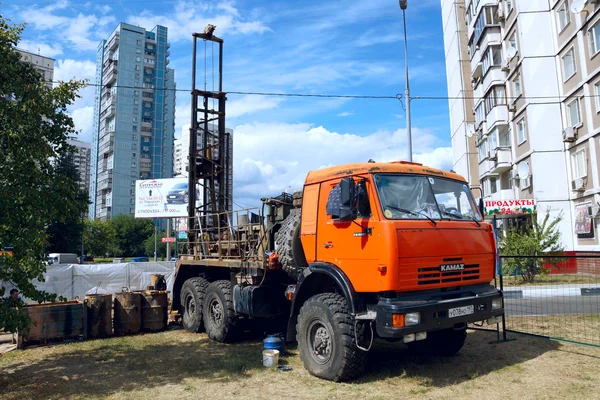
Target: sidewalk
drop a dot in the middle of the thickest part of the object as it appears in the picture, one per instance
(575, 289)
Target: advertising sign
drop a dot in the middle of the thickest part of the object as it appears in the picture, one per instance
(583, 221)
(168, 239)
(162, 198)
(510, 207)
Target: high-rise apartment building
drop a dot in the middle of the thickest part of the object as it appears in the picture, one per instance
(524, 89)
(43, 64)
(134, 117)
(181, 156)
(82, 160)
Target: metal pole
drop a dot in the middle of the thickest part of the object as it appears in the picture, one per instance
(168, 235)
(82, 236)
(407, 88)
(155, 238)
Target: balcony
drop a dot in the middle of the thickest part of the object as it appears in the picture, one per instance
(477, 70)
(502, 158)
(496, 117)
(110, 75)
(485, 167)
(113, 43)
(108, 111)
(148, 87)
(105, 184)
(504, 194)
(493, 76)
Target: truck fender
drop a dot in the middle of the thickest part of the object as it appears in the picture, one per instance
(311, 281)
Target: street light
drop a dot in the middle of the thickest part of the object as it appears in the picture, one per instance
(403, 5)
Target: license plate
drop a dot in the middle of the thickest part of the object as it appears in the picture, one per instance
(171, 197)
(460, 311)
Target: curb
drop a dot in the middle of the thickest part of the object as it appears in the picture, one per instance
(562, 292)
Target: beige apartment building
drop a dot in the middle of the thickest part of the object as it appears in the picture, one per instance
(524, 88)
(45, 65)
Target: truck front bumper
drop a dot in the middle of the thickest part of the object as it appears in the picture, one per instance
(434, 310)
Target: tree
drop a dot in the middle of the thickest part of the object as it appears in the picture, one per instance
(131, 234)
(538, 241)
(65, 232)
(34, 127)
(100, 238)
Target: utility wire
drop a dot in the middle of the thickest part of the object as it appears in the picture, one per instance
(356, 96)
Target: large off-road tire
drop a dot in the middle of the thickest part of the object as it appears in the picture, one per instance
(220, 320)
(443, 343)
(192, 302)
(326, 338)
(289, 246)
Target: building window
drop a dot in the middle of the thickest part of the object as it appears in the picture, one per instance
(594, 37)
(597, 94)
(133, 137)
(138, 59)
(574, 114)
(512, 41)
(136, 101)
(132, 183)
(495, 97)
(517, 86)
(469, 13)
(135, 119)
(521, 131)
(579, 164)
(133, 155)
(493, 185)
(138, 51)
(504, 138)
(493, 140)
(137, 68)
(139, 42)
(134, 128)
(482, 150)
(133, 164)
(509, 6)
(491, 58)
(568, 61)
(564, 15)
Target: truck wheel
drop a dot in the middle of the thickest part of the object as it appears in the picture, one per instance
(289, 246)
(219, 317)
(325, 335)
(192, 301)
(443, 343)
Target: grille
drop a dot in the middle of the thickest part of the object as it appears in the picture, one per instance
(433, 275)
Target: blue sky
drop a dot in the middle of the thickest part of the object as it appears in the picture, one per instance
(341, 47)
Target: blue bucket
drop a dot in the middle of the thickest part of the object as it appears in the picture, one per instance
(274, 342)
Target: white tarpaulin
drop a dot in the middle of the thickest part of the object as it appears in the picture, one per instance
(70, 280)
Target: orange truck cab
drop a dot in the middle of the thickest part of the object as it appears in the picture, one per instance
(406, 245)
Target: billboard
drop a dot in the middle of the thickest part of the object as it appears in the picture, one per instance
(510, 207)
(162, 198)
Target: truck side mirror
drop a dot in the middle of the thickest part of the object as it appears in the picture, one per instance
(481, 209)
(347, 209)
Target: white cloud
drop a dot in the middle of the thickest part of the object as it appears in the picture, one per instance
(251, 104)
(41, 48)
(83, 118)
(345, 114)
(190, 17)
(42, 18)
(268, 170)
(79, 28)
(70, 69)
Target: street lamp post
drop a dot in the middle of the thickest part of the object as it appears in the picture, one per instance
(403, 5)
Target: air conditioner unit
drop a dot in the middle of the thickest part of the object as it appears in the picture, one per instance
(578, 185)
(569, 134)
(500, 13)
(525, 183)
(506, 65)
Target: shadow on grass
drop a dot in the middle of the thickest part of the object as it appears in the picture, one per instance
(101, 367)
(477, 358)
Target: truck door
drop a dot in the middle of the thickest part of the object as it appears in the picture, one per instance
(353, 246)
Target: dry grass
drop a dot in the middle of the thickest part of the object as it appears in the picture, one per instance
(177, 364)
(574, 327)
(561, 279)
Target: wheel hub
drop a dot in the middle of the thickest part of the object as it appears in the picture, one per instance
(320, 342)
(216, 312)
(190, 306)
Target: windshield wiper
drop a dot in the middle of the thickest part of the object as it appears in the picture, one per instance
(474, 220)
(452, 215)
(404, 210)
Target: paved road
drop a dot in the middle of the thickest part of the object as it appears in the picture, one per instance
(552, 305)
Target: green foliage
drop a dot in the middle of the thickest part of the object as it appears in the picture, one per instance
(100, 238)
(65, 233)
(543, 239)
(161, 248)
(131, 235)
(34, 127)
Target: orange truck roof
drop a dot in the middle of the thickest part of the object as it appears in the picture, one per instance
(402, 167)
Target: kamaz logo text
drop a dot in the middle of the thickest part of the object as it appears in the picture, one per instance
(452, 267)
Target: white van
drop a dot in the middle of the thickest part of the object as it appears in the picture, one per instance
(62, 258)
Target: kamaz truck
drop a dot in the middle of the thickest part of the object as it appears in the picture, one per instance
(394, 250)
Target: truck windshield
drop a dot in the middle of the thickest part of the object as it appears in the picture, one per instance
(425, 197)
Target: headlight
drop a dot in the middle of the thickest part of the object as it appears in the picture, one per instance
(496, 304)
(413, 318)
